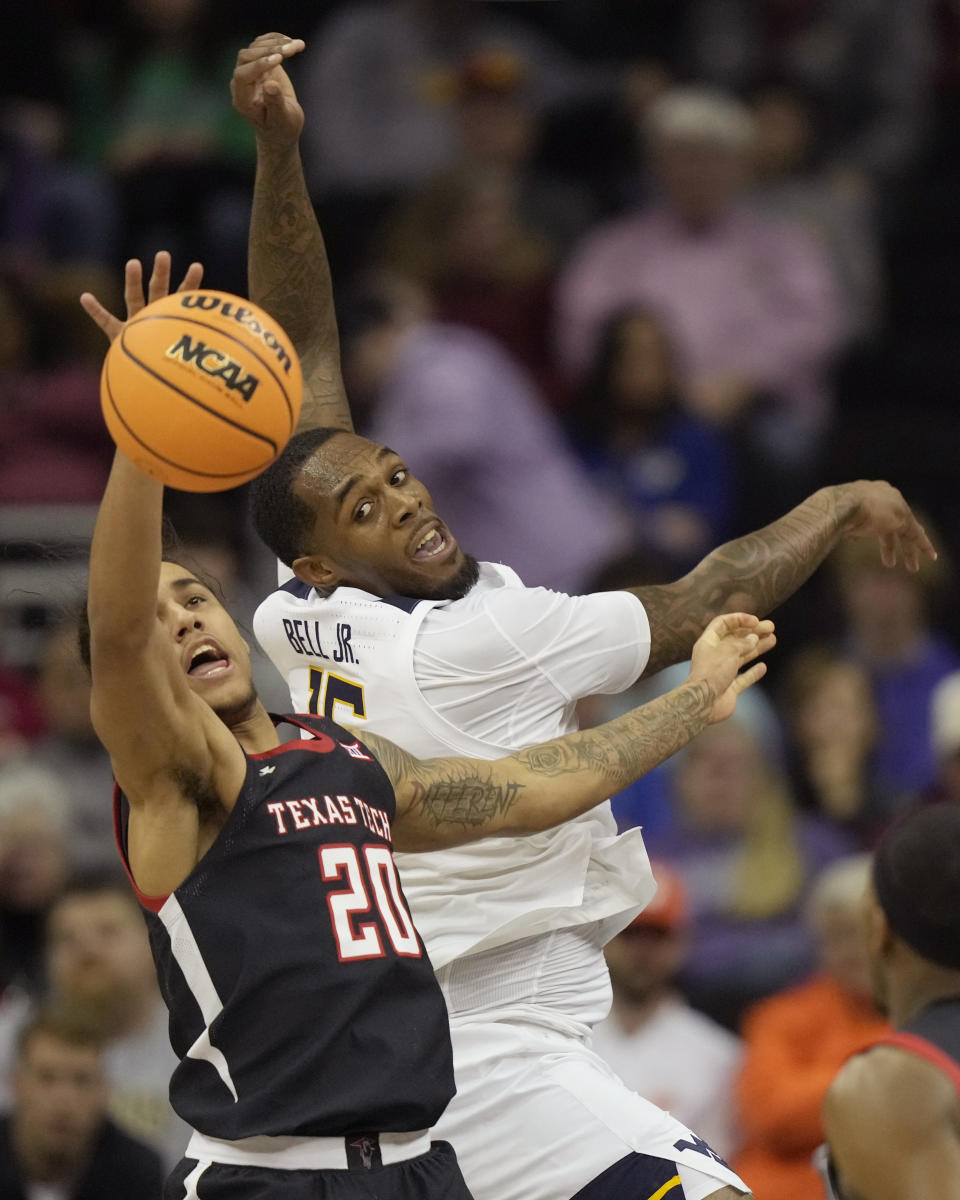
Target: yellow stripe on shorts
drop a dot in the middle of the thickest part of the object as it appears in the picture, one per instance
(667, 1187)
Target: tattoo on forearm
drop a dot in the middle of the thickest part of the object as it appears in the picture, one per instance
(624, 749)
(545, 784)
(290, 278)
(468, 801)
(754, 574)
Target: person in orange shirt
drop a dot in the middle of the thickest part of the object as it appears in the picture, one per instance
(796, 1042)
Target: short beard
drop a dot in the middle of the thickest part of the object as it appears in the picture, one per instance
(455, 588)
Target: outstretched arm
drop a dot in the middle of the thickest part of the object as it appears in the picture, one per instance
(761, 570)
(158, 733)
(288, 270)
(448, 801)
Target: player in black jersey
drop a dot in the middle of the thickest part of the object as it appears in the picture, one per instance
(892, 1114)
(311, 1032)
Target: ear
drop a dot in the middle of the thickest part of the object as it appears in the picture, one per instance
(318, 571)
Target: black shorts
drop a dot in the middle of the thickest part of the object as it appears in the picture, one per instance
(431, 1176)
(636, 1177)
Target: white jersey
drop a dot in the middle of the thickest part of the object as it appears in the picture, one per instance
(486, 675)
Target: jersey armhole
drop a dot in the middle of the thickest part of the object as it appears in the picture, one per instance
(925, 1050)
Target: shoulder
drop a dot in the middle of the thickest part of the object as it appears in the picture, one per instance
(892, 1092)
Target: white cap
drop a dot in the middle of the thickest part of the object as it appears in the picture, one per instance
(945, 716)
(701, 114)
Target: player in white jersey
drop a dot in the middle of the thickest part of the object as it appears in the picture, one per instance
(391, 626)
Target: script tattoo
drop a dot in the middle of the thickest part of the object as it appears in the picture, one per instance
(751, 574)
(465, 801)
(290, 278)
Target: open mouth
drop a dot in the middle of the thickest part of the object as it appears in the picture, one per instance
(432, 543)
(207, 660)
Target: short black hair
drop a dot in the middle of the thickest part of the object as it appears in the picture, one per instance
(283, 521)
(172, 551)
(916, 876)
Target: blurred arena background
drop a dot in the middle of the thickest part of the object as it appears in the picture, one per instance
(693, 258)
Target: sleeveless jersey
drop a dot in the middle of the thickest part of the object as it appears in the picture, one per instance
(933, 1034)
(301, 999)
(351, 656)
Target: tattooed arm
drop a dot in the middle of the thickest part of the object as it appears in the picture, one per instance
(288, 269)
(761, 570)
(449, 801)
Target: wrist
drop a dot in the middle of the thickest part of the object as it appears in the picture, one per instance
(276, 147)
(844, 502)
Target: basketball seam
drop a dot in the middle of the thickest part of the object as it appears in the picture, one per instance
(156, 454)
(262, 437)
(278, 380)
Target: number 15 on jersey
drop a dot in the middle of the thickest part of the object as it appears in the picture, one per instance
(328, 690)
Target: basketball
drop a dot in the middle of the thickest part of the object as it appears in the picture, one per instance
(201, 390)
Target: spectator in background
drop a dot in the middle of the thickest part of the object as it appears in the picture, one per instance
(747, 858)
(53, 445)
(154, 106)
(484, 237)
(751, 302)
(375, 83)
(797, 1041)
(57, 1143)
(791, 183)
(888, 631)
(671, 471)
(945, 739)
(34, 823)
(833, 727)
(477, 434)
(71, 750)
(866, 62)
(658, 1045)
(99, 963)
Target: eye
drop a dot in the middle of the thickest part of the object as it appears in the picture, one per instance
(400, 475)
(195, 600)
(363, 510)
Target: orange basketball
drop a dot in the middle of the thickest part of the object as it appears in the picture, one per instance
(201, 390)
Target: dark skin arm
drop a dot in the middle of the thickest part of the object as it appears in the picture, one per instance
(757, 572)
(893, 1125)
(287, 265)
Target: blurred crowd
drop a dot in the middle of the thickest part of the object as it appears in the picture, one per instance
(620, 281)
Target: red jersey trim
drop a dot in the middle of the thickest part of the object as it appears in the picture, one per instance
(154, 903)
(316, 745)
(924, 1049)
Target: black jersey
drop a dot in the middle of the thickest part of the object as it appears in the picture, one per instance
(933, 1034)
(301, 999)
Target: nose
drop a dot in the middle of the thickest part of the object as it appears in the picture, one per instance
(181, 620)
(406, 503)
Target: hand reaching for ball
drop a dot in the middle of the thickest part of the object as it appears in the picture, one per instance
(157, 288)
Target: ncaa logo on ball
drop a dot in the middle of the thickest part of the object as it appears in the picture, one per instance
(215, 363)
(210, 302)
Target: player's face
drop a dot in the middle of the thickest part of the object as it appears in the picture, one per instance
(375, 527)
(208, 645)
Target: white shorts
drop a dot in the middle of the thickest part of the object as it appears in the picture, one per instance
(538, 1115)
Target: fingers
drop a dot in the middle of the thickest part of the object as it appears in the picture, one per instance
(159, 285)
(133, 286)
(105, 320)
(193, 278)
(749, 677)
(732, 624)
(264, 54)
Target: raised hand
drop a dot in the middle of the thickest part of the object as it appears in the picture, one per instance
(157, 288)
(262, 92)
(728, 643)
(877, 509)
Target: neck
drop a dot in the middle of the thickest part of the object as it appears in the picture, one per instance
(910, 996)
(890, 644)
(38, 1165)
(253, 729)
(632, 1013)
